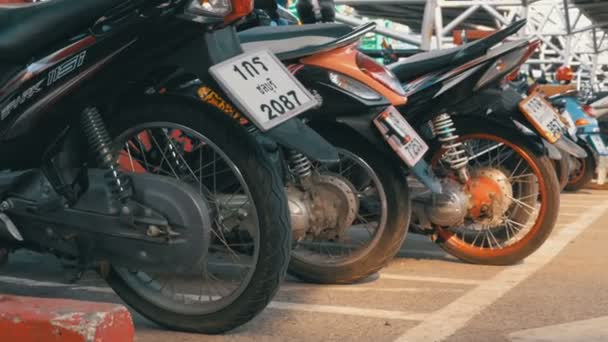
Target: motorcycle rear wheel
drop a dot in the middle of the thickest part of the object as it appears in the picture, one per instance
(389, 224)
(537, 200)
(208, 309)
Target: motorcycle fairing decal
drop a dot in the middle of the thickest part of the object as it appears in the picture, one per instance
(21, 98)
(44, 64)
(66, 67)
(210, 96)
(456, 80)
(53, 76)
(58, 66)
(420, 83)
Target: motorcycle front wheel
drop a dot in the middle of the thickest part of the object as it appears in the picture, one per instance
(523, 188)
(250, 243)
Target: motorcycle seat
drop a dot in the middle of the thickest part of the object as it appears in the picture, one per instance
(292, 41)
(423, 63)
(27, 28)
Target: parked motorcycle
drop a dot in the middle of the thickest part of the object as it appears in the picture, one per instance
(349, 218)
(504, 197)
(585, 129)
(499, 196)
(160, 225)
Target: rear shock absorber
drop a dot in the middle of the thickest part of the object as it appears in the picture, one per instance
(455, 155)
(100, 142)
(299, 164)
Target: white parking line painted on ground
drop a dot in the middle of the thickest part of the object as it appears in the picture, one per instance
(430, 279)
(444, 322)
(575, 205)
(590, 330)
(355, 288)
(346, 310)
(409, 252)
(569, 214)
(30, 282)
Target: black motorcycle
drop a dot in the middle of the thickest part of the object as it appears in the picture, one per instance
(103, 172)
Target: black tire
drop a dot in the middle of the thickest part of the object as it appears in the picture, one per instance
(562, 170)
(394, 182)
(266, 189)
(584, 174)
(544, 225)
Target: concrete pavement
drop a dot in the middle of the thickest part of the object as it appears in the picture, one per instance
(423, 295)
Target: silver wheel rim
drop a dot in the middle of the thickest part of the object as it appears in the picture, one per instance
(217, 287)
(325, 253)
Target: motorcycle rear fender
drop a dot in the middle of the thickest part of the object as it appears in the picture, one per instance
(296, 135)
(220, 45)
(363, 126)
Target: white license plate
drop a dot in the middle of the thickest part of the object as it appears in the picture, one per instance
(599, 143)
(543, 117)
(262, 88)
(402, 138)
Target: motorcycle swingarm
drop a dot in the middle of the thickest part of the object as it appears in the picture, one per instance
(96, 229)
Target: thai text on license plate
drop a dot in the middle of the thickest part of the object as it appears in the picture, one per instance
(262, 88)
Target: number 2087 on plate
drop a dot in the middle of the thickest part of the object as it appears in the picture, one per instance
(262, 88)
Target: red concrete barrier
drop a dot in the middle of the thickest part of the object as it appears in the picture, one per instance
(26, 319)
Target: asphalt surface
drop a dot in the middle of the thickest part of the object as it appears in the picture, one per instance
(557, 294)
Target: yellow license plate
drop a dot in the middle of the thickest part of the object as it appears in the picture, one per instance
(541, 114)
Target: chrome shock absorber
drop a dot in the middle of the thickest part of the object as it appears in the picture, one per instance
(299, 165)
(455, 155)
(100, 142)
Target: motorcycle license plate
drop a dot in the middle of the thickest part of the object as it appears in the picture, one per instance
(543, 117)
(402, 138)
(599, 144)
(262, 88)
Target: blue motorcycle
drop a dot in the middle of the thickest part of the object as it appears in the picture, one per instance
(585, 130)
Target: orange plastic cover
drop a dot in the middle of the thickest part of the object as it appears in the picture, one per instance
(344, 61)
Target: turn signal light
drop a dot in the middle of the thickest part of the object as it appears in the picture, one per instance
(240, 8)
(581, 122)
(379, 73)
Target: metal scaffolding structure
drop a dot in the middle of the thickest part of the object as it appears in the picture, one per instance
(572, 31)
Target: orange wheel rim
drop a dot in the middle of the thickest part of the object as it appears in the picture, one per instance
(452, 238)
